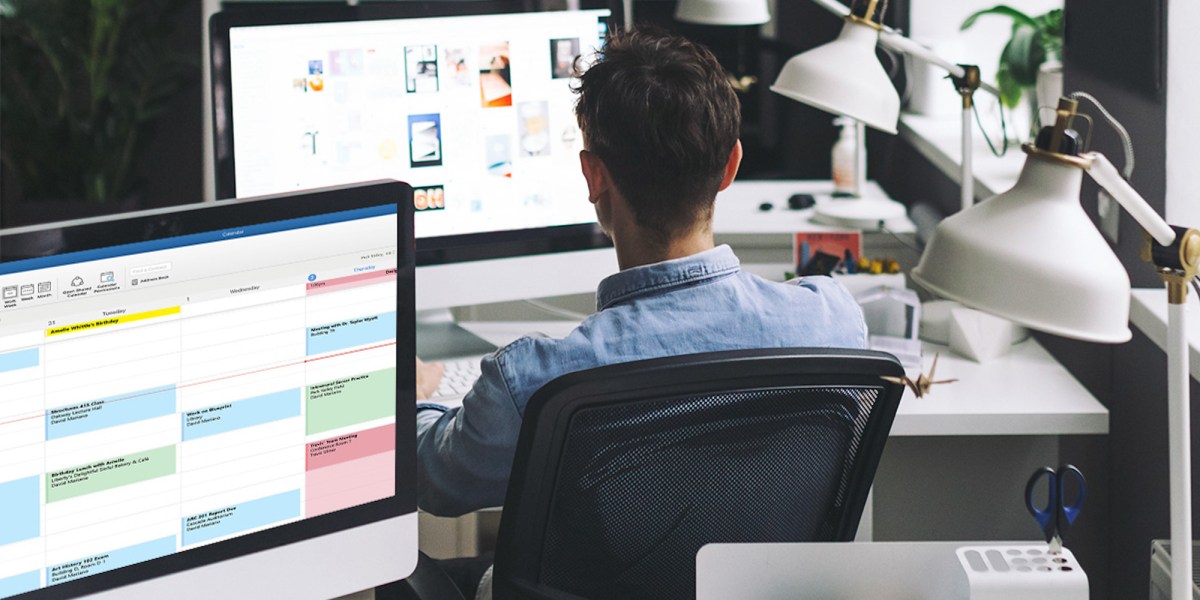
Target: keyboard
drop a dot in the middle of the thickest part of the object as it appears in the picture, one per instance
(460, 375)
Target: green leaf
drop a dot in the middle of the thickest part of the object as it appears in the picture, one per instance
(1050, 28)
(1023, 55)
(1004, 10)
(1010, 90)
(1051, 23)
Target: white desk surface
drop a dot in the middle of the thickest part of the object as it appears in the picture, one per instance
(1025, 392)
(1148, 312)
(737, 208)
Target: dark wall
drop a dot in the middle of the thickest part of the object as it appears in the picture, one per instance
(802, 26)
(173, 165)
(1128, 78)
(1130, 97)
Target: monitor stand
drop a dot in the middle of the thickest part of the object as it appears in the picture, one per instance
(440, 338)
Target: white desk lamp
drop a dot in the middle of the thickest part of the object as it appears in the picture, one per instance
(845, 77)
(714, 12)
(1032, 255)
(723, 12)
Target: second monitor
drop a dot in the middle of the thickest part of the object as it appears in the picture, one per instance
(476, 111)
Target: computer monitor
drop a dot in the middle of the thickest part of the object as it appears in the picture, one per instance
(210, 401)
(475, 110)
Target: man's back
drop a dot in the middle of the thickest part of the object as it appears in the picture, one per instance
(699, 303)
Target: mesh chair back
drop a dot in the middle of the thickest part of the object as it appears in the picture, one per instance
(623, 472)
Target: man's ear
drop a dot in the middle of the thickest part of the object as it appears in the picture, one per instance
(731, 166)
(599, 181)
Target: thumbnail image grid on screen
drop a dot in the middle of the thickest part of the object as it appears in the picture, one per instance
(476, 112)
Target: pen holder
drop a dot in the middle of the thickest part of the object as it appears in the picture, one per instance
(1026, 571)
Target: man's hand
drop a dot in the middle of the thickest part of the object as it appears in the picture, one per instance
(429, 375)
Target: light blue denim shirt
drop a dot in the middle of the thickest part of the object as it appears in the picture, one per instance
(700, 303)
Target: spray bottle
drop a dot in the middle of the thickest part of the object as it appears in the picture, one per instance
(845, 159)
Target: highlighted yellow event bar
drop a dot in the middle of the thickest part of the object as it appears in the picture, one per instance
(121, 320)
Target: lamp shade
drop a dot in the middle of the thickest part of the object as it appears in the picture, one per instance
(844, 77)
(723, 12)
(1032, 255)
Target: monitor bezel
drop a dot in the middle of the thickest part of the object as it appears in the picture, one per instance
(436, 250)
(131, 228)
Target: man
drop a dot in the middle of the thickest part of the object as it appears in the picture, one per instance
(660, 127)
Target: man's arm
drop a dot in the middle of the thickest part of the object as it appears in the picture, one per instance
(464, 455)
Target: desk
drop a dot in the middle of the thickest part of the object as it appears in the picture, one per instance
(737, 209)
(1025, 392)
(764, 238)
(964, 451)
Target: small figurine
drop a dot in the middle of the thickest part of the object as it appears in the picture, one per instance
(923, 384)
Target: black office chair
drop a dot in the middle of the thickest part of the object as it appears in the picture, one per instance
(623, 472)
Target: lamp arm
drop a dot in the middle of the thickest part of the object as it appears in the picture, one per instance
(835, 7)
(1105, 174)
(897, 41)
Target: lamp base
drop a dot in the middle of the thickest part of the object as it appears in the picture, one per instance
(858, 213)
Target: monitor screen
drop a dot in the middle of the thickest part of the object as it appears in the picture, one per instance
(475, 111)
(187, 386)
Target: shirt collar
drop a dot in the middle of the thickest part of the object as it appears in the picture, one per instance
(666, 275)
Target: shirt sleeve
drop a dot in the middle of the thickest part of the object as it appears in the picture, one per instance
(464, 455)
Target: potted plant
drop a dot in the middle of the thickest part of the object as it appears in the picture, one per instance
(1032, 58)
(83, 84)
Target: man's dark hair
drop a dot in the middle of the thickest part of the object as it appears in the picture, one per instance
(659, 111)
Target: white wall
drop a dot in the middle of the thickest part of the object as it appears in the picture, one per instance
(939, 20)
(935, 23)
(1183, 123)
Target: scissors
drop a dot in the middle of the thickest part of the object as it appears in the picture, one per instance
(1057, 516)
